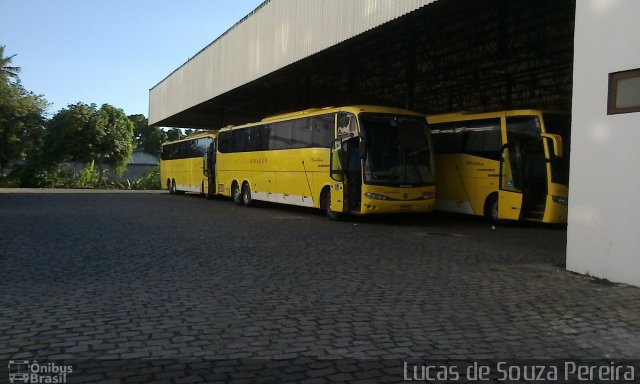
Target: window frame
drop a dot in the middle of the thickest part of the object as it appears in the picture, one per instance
(612, 97)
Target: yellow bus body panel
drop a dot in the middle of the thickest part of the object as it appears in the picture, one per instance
(509, 205)
(187, 173)
(464, 182)
(400, 200)
(291, 176)
(556, 213)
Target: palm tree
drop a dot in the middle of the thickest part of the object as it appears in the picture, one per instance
(6, 70)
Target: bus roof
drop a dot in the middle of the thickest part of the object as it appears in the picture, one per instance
(194, 136)
(321, 111)
(467, 115)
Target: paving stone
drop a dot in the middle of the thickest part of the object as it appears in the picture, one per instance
(165, 278)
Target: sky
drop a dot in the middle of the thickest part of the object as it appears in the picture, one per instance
(109, 51)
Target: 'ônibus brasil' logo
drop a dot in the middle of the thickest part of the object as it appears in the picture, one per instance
(23, 371)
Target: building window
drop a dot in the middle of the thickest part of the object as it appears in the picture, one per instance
(624, 92)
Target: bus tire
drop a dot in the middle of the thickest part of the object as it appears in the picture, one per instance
(169, 186)
(491, 208)
(236, 195)
(326, 205)
(174, 190)
(246, 194)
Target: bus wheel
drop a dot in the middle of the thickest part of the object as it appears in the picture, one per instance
(326, 205)
(491, 208)
(246, 194)
(173, 190)
(169, 187)
(235, 193)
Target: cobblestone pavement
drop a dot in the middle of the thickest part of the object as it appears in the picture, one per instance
(119, 277)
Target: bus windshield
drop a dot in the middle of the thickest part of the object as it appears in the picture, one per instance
(398, 150)
(560, 125)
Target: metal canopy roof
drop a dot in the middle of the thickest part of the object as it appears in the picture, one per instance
(447, 56)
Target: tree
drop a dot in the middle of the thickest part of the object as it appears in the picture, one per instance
(21, 115)
(21, 122)
(114, 139)
(71, 134)
(147, 138)
(6, 70)
(174, 134)
(84, 133)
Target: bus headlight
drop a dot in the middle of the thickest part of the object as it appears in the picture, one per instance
(560, 200)
(375, 196)
(427, 196)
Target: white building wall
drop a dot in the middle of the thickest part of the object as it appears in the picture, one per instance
(278, 33)
(604, 202)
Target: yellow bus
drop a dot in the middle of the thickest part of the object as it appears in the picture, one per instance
(348, 160)
(187, 165)
(511, 165)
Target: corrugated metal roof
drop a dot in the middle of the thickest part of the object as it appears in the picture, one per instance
(276, 34)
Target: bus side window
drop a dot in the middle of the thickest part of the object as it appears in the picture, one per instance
(482, 138)
(224, 142)
(447, 138)
(322, 127)
(239, 140)
(255, 138)
(301, 136)
(280, 135)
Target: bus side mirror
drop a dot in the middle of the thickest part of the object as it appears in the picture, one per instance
(556, 141)
(205, 164)
(362, 148)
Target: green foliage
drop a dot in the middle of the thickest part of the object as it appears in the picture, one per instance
(71, 134)
(147, 138)
(149, 181)
(35, 173)
(88, 178)
(6, 70)
(174, 134)
(21, 115)
(21, 122)
(82, 133)
(114, 141)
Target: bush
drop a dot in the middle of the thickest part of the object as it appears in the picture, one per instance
(88, 177)
(37, 173)
(150, 180)
(40, 174)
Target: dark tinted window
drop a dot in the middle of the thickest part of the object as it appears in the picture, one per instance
(307, 132)
(482, 138)
(256, 138)
(224, 142)
(280, 135)
(186, 149)
(301, 135)
(475, 137)
(447, 138)
(322, 131)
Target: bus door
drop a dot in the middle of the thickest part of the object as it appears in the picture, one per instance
(209, 167)
(351, 160)
(524, 167)
(353, 173)
(337, 177)
(510, 192)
